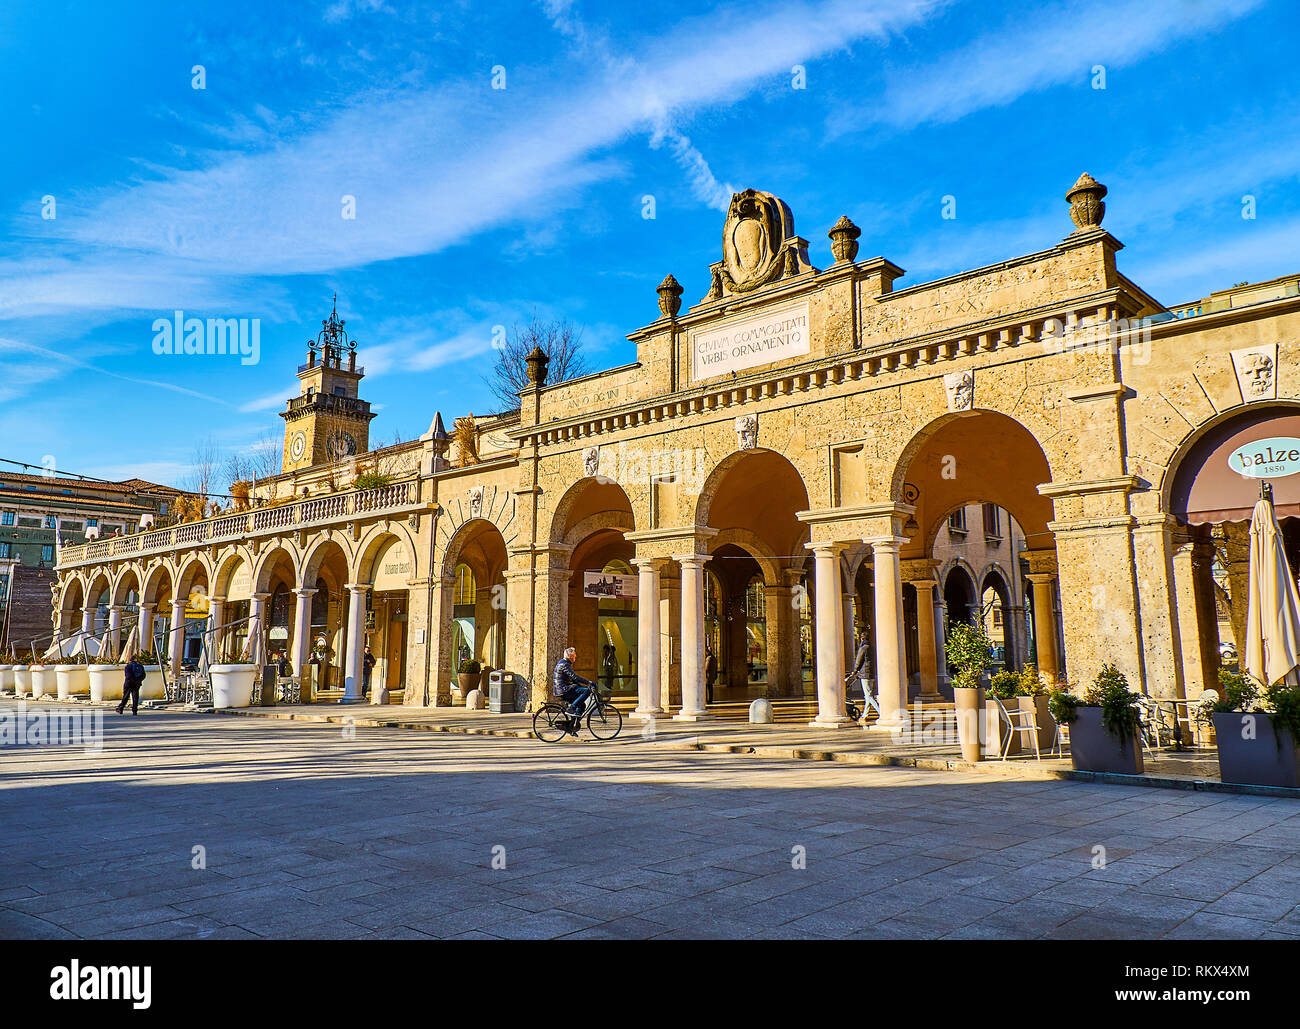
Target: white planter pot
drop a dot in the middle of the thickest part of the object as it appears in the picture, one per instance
(43, 681)
(73, 681)
(232, 685)
(22, 680)
(6, 677)
(152, 688)
(105, 682)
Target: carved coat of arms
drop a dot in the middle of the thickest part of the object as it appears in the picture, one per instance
(747, 432)
(757, 226)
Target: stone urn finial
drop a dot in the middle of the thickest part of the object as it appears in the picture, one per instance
(1086, 206)
(670, 296)
(844, 239)
(537, 362)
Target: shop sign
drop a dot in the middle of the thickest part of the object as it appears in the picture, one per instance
(608, 584)
(1272, 458)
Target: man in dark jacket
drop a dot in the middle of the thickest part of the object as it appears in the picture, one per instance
(710, 671)
(132, 681)
(569, 687)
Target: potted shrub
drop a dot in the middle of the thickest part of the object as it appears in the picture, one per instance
(1104, 732)
(22, 680)
(1033, 697)
(1256, 731)
(71, 677)
(7, 662)
(232, 684)
(105, 682)
(468, 676)
(1004, 686)
(968, 652)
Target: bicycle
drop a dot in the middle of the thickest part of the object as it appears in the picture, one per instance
(552, 722)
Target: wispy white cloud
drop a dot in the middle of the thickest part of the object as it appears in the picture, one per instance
(1055, 45)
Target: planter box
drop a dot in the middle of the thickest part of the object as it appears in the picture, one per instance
(43, 681)
(1093, 748)
(73, 681)
(232, 685)
(996, 732)
(152, 688)
(970, 707)
(6, 677)
(105, 682)
(1046, 723)
(22, 680)
(1269, 759)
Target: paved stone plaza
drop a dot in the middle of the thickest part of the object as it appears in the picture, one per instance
(309, 833)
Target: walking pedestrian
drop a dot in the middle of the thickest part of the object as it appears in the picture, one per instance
(133, 679)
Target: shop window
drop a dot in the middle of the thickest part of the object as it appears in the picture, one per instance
(7, 518)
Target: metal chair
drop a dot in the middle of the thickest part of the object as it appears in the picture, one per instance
(1018, 722)
(1150, 722)
(1062, 738)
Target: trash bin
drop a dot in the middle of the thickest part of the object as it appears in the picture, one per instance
(270, 673)
(501, 692)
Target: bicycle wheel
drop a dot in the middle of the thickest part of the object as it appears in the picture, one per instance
(851, 709)
(550, 724)
(604, 722)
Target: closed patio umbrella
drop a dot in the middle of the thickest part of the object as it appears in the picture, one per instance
(1273, 609)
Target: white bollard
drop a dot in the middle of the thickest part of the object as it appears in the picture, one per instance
(760, 712)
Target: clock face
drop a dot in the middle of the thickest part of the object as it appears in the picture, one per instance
(298, 445)
(341, 444)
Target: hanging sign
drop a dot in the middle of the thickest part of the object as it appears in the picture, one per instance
(608, 584)
(1272, 458)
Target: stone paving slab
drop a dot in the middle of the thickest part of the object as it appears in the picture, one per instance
(316, 830)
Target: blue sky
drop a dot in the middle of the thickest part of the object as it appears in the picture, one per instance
(476, 207)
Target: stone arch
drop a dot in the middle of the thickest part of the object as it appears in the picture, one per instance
(767, 558)
(975, 457)
(316, 554)
(127, 578)
(589, 496)
(187, 570)
(375, 540)
(489, 503)
(227, 563)
(154, 577)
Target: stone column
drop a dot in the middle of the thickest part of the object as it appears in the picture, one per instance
(87, 620)
(647, 638)
(216, 615)
(355, 643)
(114, 630)
(302, 637)
(940, 638)
(177, 636)
(1236, 540)
(1198, 628)
(891, 657)
(692, 602)
(144, 629)
(1044, 588)
(926, 639)
(670, 638)
(257, 627)
(784, 602)
(828, 614)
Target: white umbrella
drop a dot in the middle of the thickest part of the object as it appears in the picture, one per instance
(1273, 607)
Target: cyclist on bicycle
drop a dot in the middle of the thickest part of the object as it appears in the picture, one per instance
(570, 688)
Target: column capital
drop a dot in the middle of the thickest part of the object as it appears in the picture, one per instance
(357, 587)
(263, 597)
(922, 584)
(1041, 562)
(826, 548)
(691, 560)
(887, 544)
(305, 592)
(1041, 578)
(653, 564)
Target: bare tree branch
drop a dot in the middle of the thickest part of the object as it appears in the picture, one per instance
(561, 342)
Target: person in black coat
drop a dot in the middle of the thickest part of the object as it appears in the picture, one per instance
(133, 679)
(710, 672)
(569, 687)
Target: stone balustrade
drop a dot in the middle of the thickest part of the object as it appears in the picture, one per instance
(316, 511)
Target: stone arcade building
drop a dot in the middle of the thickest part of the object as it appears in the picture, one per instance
(769, 477)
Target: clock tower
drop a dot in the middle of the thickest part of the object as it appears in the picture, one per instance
(327, 421)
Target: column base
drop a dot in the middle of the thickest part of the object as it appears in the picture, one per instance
(693, 716)
(648, 713)
(353, 700)
(831, 723)
(895, 724)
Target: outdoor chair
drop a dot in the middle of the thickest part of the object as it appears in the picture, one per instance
(1062, 738)
(1150, 722)
(1018, 722)
(290, 691)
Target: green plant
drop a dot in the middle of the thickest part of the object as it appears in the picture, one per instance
(371, 480)
(146, 658)
(67, 659)
(470, 667)
(1005, 685)
(1237, 692)
(968, 651)
(1031, 683)
(1062, 706)
(1110, 690)
(1284, 698)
